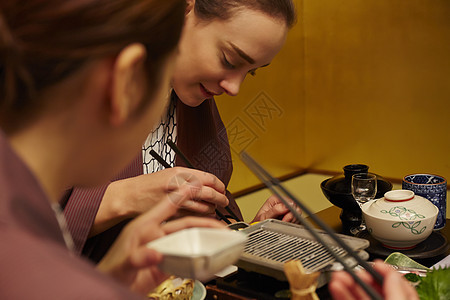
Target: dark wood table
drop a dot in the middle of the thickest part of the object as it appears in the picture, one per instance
(261, 283)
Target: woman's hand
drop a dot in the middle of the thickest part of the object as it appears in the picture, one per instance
(131, 197)
(273, 208)
(395, 287)
(130, 261)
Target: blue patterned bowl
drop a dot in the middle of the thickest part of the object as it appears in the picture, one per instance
(432, 187)
(400, 220)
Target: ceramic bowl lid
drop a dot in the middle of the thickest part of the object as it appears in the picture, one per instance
(403, 204)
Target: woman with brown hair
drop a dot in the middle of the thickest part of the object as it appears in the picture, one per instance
(80, 84)
(222, 42)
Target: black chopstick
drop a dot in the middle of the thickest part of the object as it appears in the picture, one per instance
(180, 154)
(190, 165)
(273, 183)
(166, 165)
(221, 216)
(159, 159)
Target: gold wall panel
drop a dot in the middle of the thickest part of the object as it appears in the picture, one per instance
(267, 117)
(359, 81)
(378, 85)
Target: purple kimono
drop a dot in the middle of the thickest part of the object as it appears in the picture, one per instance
(202, 137)
(35, 262)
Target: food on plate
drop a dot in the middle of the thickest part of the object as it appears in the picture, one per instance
(173, 288)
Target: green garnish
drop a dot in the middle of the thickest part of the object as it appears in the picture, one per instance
(412, 277)
(436, 285)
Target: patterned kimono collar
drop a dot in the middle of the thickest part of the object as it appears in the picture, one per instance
(157, 140)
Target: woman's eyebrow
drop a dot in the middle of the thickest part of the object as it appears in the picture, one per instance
(242, 53)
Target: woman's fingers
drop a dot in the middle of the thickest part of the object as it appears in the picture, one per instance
(395, 287)
(204, 201)
(145, 227)
(197, 176)
(194, 186)
(189, 222)
(145, 257)
(149, 277)
(161, 211)
(270, 212)
(210, 195)
(198, 207)
(340, 286)
(274, 208)
(208, 179)
(343, 286)
(289, 217)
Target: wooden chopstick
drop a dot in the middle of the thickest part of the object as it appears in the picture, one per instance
(272, 184)
(190, 165)
(166, 165)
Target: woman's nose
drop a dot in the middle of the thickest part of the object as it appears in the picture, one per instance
(232, 84)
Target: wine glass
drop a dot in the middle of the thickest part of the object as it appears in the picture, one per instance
(364, 189)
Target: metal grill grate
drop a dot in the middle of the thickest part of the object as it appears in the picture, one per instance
(281, 247)
(271, 243)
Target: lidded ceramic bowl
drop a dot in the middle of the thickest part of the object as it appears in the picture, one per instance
(401, 219)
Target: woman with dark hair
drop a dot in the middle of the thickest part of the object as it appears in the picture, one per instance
(222, 42)
(80, 84)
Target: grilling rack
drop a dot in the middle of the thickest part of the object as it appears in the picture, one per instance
(271, 243)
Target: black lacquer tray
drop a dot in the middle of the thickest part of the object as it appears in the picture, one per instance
(436, 244)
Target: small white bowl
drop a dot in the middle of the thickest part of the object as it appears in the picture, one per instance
(199, 253)
(400, 220)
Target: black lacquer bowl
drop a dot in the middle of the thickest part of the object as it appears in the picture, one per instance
(338, 191)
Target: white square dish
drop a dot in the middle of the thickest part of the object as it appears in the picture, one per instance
(199, 253)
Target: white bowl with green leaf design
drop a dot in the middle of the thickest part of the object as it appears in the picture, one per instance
(400, 220)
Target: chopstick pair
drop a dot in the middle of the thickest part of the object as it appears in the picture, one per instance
(273, 184)
(190, 165)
